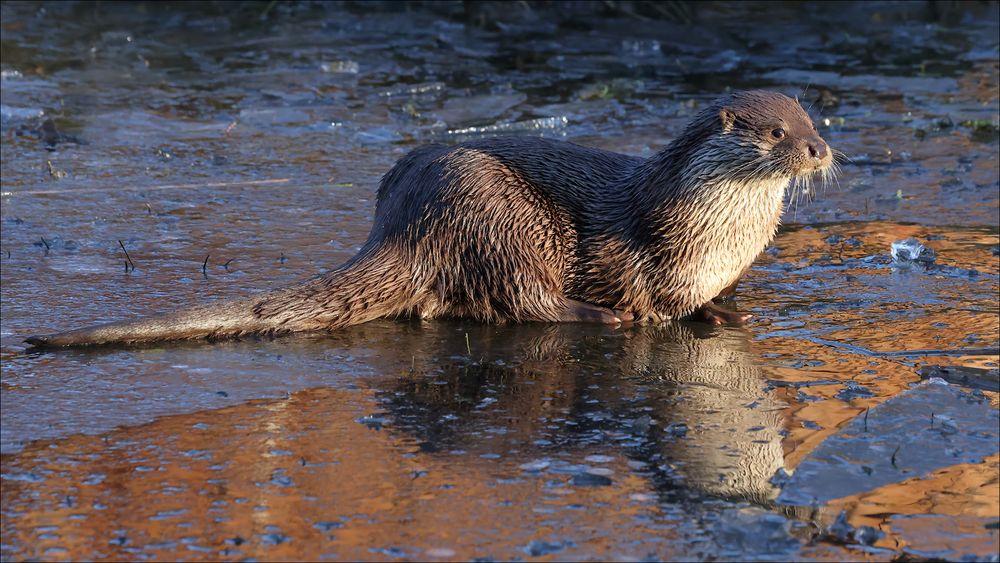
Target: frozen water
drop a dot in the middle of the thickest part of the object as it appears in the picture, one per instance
(910, 250)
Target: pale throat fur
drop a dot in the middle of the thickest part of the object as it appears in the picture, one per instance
(729, 223)
(743, 227)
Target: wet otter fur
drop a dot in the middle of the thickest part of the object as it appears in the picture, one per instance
(529, 229)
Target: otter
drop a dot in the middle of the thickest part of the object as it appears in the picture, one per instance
(531, 229)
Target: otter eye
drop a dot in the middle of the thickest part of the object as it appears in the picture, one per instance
(778, 133)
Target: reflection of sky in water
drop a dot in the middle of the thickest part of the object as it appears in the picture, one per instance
(629, 430)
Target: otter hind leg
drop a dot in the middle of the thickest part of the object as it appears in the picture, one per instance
(716, 315)
(580, 312)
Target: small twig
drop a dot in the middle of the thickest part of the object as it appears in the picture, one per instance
(149, 209)
(204, 266)
(127, 257)
(54, 172)
(866, 418)
(226, 265)
(267, 10)
(468, 346)
(893, 459)
(46, 243)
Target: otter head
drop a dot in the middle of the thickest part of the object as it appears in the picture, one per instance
(779, 136)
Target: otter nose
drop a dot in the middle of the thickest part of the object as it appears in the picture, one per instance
(817, 149)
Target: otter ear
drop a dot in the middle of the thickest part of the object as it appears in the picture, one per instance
(728, 118)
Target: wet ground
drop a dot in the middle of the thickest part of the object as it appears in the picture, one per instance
(234, 148)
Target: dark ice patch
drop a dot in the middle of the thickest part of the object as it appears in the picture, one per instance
(931, 426)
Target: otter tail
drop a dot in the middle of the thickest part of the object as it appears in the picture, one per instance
(212, 321)
(357, 292)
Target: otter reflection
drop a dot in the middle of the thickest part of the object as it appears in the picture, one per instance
(681, 396)
(448, 467)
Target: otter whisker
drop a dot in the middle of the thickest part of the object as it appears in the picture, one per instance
(840, 155)
(834, 173)
(742, 167)
(743, 171)
(822, 178)
(807, 189)
(794, 197)
(756, 172)
(762, 163)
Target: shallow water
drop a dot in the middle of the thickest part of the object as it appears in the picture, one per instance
(255, 136)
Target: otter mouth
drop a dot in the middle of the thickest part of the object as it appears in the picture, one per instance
(820, 169)
(809, 179)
